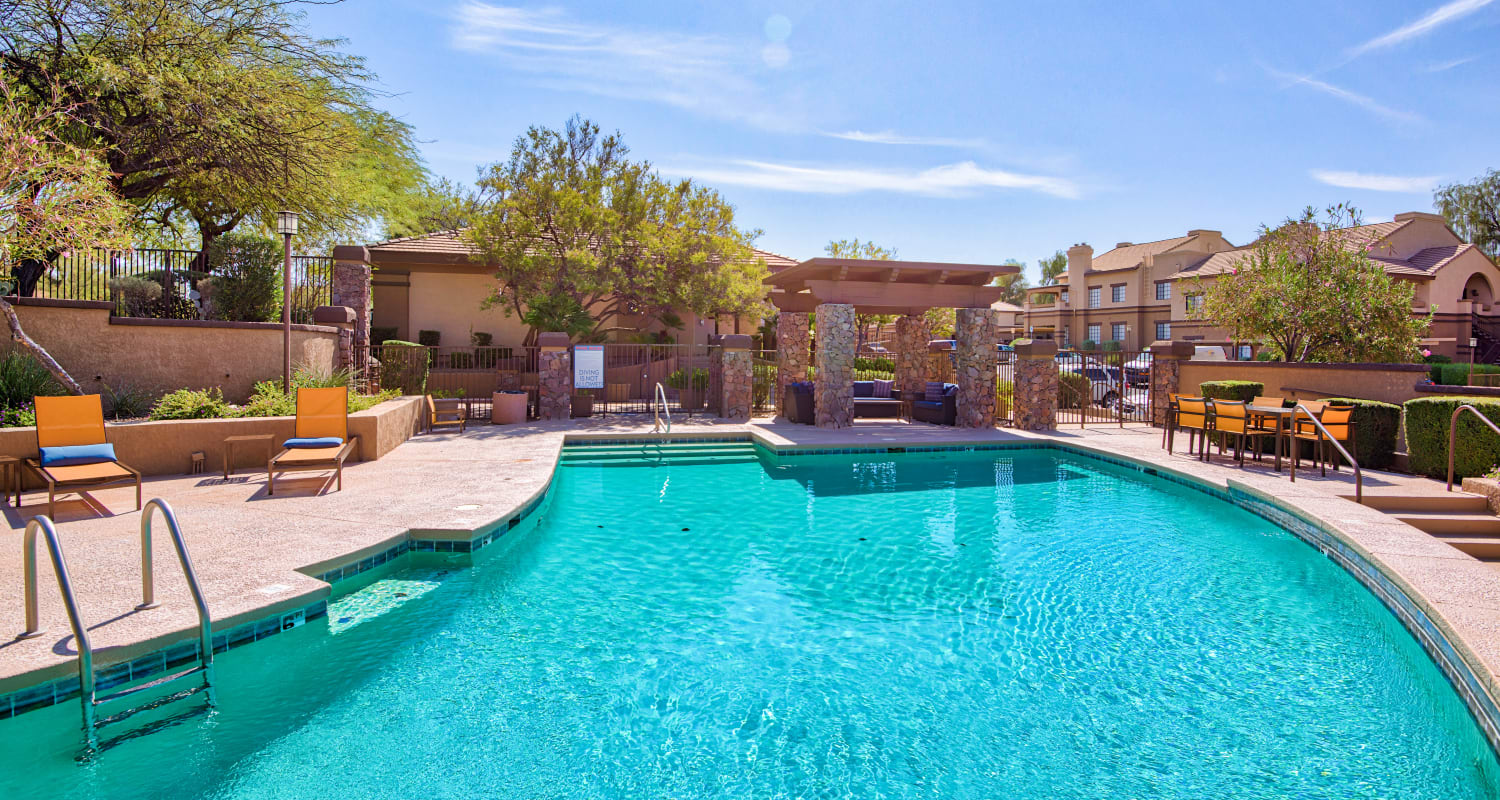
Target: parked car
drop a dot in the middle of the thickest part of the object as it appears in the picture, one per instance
(1209, 353)
(1107, 387)
(1138, 370)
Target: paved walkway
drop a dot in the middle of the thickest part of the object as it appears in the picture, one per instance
(255, 554)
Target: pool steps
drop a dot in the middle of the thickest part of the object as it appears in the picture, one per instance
(677, 454)
(1461, 520)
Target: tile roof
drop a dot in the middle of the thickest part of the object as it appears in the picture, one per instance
(450, 243)
(1421, 264)
(1131, 256)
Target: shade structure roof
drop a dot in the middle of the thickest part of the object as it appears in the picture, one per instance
(886, 287)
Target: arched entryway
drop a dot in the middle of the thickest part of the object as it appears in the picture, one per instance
(1477, 289)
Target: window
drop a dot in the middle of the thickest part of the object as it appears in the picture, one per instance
(1117, 331)
(1164, 290)
(1163, 330)
(1065, 337)
(1094, 328)
(1065, 296)
(1244, 353)
(1194, 303)
(1093, 297)
(1117, 293)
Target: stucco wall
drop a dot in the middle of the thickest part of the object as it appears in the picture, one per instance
(159, 356)
(1389, 383)
(449, 302)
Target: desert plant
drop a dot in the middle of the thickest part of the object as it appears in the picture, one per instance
(1375, 428)
(136, 297)
(680, 379)
(404, 366)
(1074, 390)
(191, 404)
(1427, 420)
(429, 338)
(127, 401)
(481, 339)
(1242, 391)
(247, 278)
(22, 378)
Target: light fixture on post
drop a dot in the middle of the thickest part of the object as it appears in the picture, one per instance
(286, 225)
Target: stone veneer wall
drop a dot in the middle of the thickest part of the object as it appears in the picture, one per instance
(1166, 375)
(555, 378)
(912, 333)
(351, 288)
(735, 378)
(792, 351)
(833, 390)
(1036, 387)
(940, 366)
(977, 333)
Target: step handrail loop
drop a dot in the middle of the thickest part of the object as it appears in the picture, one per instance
(1359, 477)
(44, 525)
(1453, 433)
(148, 578)
(660, 408)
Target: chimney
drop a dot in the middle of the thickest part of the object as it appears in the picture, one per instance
(1204, 232)
(1080, 259)
(1123, 244)
(1406, 216)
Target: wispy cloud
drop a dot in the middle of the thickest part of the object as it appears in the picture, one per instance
(1353, 98)
(891, 137)
(949, 180)
(1444, 66)
(1376, 183)
(712, 75)
(1434, 19)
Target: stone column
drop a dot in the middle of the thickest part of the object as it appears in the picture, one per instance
(735, 377)
(912, 333)
(833, 385)
(555, 378)
(351, 288)
(342, 318)
(1166, 374)
(792, 351)
(1036, 385)
(978, 334)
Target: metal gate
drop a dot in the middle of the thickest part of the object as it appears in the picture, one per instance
(1104, 387)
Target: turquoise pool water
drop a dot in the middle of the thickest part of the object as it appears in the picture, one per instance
(980, 625)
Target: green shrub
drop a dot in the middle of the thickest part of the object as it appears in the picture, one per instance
(462, 359)
(1375, 428)
(269, 401)
(381, 334)
(429, 338)
(1088, 344)
(874, 365)
(247, 278)
(679, 379)
(404, 366)
(1243, 391)
(1427, 420)
(481, 339)
(23, 378)
(23, 416)
(191, 404)
(1458, 374)
(1266, 354)
(135, 297)
(1111, 346)
(1074, 390)
(127, 402)
(1436, 358)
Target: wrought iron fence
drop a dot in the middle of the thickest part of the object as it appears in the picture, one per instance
(469, 374)
(1108, 387)
(763, 368)
(631, 372)
(1005, 389)
(103, 275)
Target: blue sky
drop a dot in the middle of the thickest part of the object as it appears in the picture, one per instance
(967, 131)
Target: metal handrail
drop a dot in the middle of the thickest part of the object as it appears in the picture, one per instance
(660, 409)
(1359, 478)
(1453, 432)
(148, 578)
(64, 585)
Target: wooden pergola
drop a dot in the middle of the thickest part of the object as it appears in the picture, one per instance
(836, 289)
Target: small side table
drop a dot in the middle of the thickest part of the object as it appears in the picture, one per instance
(10, 478)
(231, 441)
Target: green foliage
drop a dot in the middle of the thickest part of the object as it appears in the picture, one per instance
(867, 364)
(1375, 428)
(1053, 267)
(1427, 420)
(1473, 210)
(137, 297)
(461, 359)
(679, 379)
(23, 378)
(1074, 390)
(1088, 344)
(1267, 354)
(481, 339)
(430, 338)
(404, 366)
(558, 313)
(1458, 374)
(869, 251)
(1111, 346)
(247, 278)
(191, 404)
(1436, 358)
(127, 402)
(1243, 391)
(381, 334)
(23, 416)
(269, 401)
(1310, 289)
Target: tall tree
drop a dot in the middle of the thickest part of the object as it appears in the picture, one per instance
(1473, 210)
(854, 248)
(582, 236)
(440, 205)
(1310, 289)
(1053, 267)
(53, 196)
(1015, 286)
(213, 112)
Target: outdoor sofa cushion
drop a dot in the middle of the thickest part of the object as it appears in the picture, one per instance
(864, 388)
(313, 441)
(77, 454)
(883, 388)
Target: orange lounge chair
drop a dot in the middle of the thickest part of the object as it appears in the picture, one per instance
(449, 415)
(72, 451)
(322, 440)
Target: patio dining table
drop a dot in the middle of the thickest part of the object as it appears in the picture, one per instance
(1283, 418)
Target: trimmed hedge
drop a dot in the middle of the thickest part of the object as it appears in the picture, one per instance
(1427, 436)
(404, 366)
(1375, 427)
(1242, 391)
(1457, 374)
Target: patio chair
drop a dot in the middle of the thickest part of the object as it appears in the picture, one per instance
(1261, 425)
(322, 440)
(72, 452)
(1191, 416)
(1170, 418)
(1339, 420)
(1304, 431)
(448, 416)
(1231, 420)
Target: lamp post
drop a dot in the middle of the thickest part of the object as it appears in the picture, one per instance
(286, 225)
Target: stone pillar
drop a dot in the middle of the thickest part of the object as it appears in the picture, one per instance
(343, 318)
(792, 351)
(978, 333)
(1166, 375)
(1036, 385)
(351, 288)
(912, 333)
(735, 377)
(940, 361)
(833, 389)
(555, 378)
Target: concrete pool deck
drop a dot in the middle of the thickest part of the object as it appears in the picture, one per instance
(256, 555)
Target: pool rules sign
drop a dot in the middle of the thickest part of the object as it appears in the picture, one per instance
(588, 366)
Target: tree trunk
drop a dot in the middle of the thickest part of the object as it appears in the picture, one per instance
(19, 337)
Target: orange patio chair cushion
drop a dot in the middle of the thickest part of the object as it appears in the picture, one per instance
(323, 412)
(69, 421)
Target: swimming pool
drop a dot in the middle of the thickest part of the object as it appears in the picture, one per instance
(716, 624)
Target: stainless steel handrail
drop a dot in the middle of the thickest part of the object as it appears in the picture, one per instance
(64, 585)
(660, 409)
(148, 580)
(1359, 478)
(1453, 432)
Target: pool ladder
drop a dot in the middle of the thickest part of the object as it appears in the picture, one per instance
(660, 408)
(88, 696)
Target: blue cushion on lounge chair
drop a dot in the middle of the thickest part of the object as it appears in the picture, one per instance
(77, 454)
(926, 404)
(318, 441)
